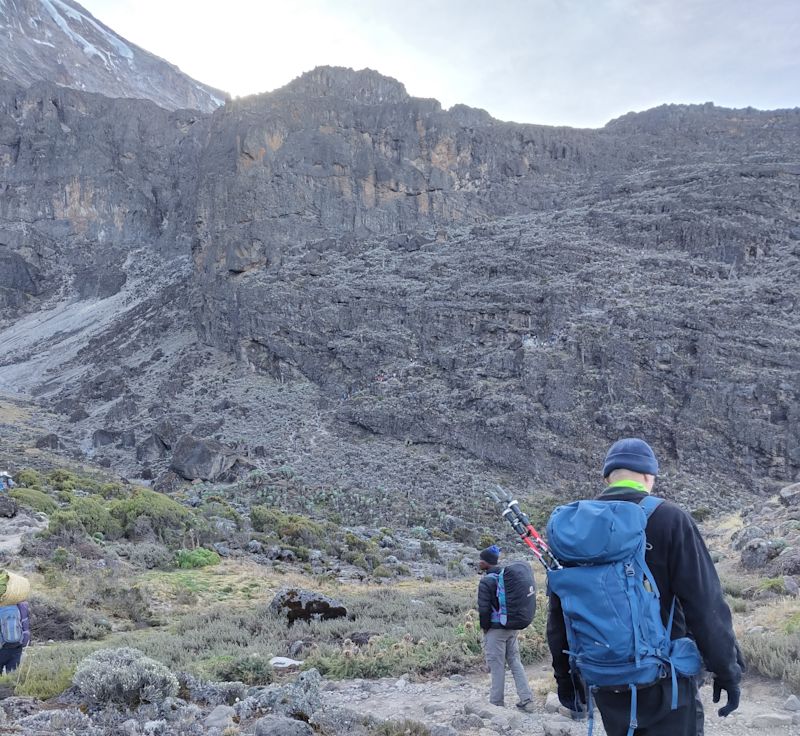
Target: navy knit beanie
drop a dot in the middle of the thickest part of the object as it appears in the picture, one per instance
(631, 454)
(491, 554)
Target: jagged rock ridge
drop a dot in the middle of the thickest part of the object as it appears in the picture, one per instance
(60, 41)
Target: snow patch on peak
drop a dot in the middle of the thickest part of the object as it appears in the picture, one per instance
(54, 6)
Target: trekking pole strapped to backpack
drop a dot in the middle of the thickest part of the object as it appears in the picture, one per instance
(522, 525)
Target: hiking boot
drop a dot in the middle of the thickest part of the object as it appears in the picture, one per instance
(527, 706)
(501, 704)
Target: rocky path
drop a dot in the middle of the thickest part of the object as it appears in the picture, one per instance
(458, 705)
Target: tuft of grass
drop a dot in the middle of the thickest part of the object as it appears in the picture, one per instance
(188, 559)
(775, 655)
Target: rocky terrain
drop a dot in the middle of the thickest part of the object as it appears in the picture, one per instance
(60, 41)
(336, 273)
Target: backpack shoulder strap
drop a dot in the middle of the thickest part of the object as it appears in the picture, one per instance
(649, 504)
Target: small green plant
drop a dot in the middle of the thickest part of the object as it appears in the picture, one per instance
(251, 669)
(381, 571)
(188, 559)
(773, 585)
(430, 550)
(701, 514)
(486, 540)
(61, 558)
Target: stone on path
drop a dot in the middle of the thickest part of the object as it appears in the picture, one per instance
(770, 720)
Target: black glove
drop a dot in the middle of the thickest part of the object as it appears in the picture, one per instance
(569, 696)
(733, 691)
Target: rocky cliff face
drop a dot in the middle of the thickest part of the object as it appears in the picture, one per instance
(60, 41)
(388, 275)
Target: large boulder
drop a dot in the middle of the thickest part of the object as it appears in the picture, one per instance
(306, 605)
(282, 726)
(206, 459)
(790, 495)
(8, 506)
(756, 554)
(150, 449)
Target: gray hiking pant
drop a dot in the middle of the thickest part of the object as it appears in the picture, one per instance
(500, 646)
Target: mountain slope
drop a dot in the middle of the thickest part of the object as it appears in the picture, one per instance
(401, 301)
(59, 41)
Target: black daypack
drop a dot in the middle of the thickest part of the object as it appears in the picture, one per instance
(516, 596)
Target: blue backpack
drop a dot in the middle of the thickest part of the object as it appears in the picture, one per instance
(10, 625)
(610, 600)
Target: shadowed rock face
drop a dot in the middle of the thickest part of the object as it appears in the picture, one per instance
(516, 293)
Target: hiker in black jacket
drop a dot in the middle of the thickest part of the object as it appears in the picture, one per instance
(682, 568)
(500, 644)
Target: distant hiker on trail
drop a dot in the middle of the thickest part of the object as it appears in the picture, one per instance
(15, 630)
(506, 604)
(629, 650)
(6, 481)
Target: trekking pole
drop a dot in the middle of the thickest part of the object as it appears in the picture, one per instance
(522, 525)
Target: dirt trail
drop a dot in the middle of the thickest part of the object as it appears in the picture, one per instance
(459, 705)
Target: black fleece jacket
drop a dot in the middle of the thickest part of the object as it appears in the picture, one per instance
(682, 567)
(487, 599)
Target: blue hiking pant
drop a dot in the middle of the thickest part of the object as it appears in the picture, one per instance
(10, 657)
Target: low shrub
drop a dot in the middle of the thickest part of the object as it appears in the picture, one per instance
(775, 655)
(28, 477)
(95, 516)
(188, 559)
(291, 528)
(146, 555)
(124, 676)
(168, 518)
(34, 499)
(251, 669)
(772, 585)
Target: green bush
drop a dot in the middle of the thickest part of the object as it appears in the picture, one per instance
(66, 524)
(63, 480)
(188, 559)
(95, 516)
(168, 517)
(430, 550)
(34, 499)
(291, 528)
(28, 478)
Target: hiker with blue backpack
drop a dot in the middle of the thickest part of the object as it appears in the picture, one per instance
(636, 606)
(506, 605)
(15, 630)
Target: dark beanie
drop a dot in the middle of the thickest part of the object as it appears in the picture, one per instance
(491, 554)
(631, 454)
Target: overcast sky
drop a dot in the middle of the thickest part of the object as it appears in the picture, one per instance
(557, 62)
